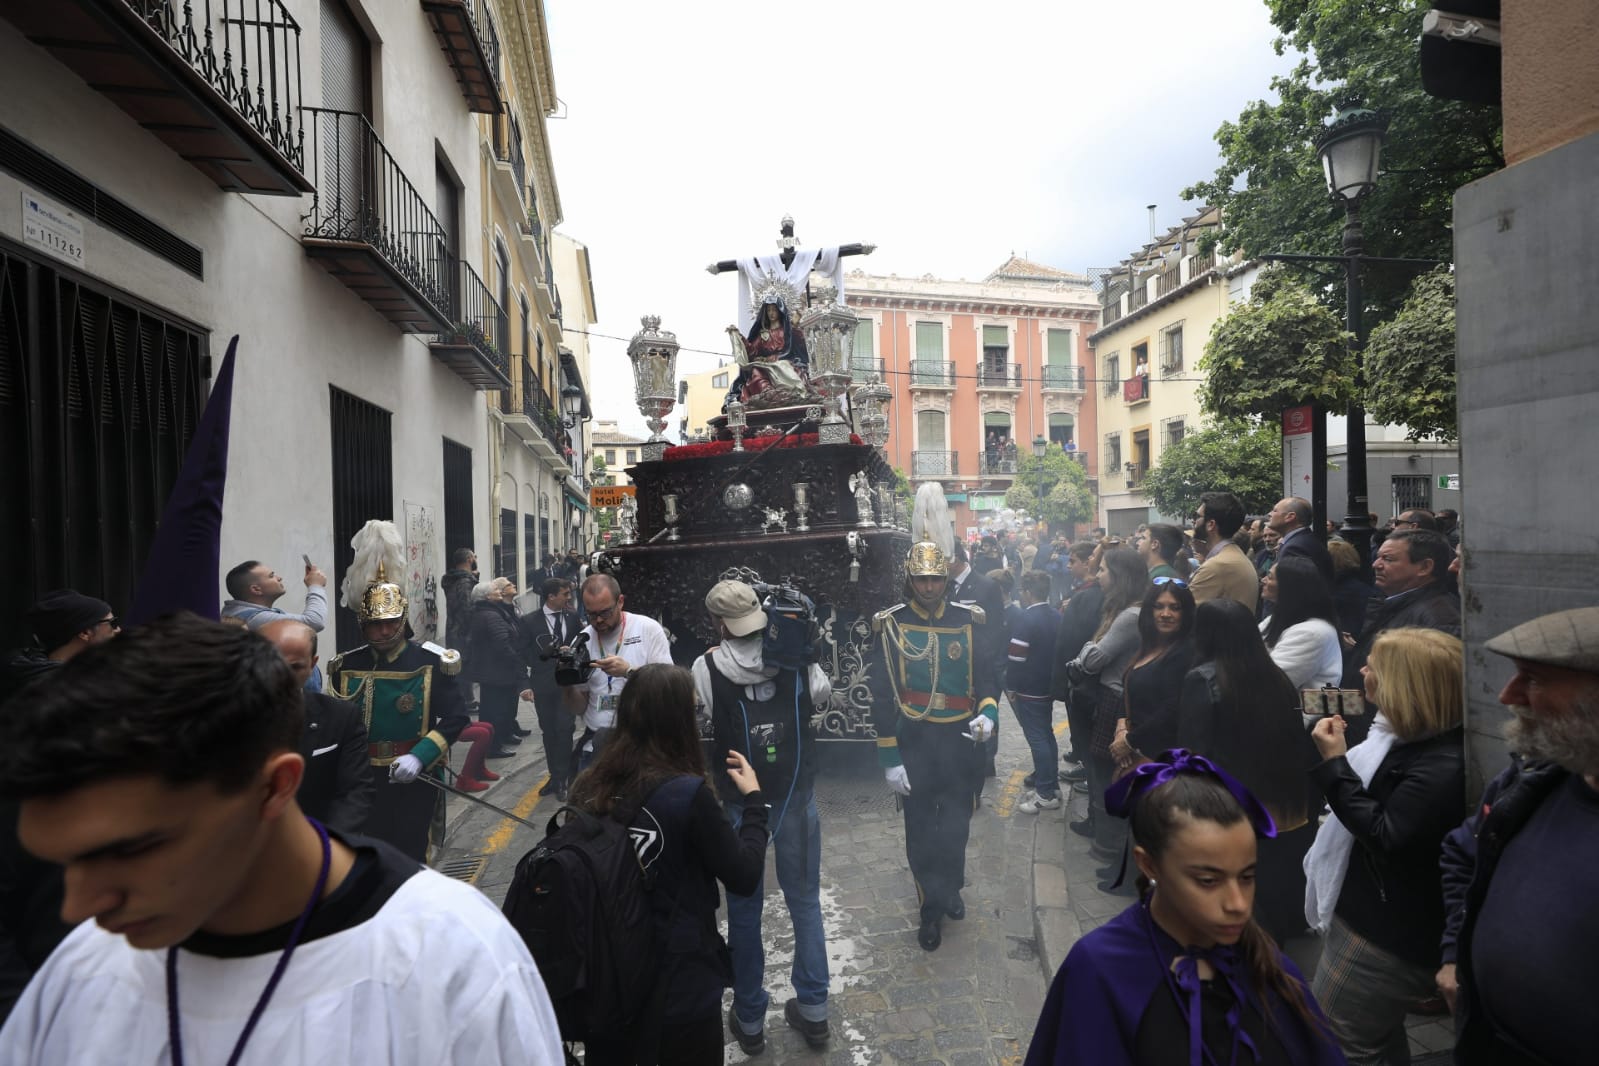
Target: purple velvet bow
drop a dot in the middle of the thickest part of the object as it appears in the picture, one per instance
(1120, 797)
(1190, 990)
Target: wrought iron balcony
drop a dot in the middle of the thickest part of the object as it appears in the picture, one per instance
(1070, 378)
(474, 345)
(465, 29)
(219, 81)
(370, 229)
(932, 373)
(999, 375)
(999, 462)
(926, 464)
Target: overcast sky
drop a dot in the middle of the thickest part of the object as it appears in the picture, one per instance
(948, 134)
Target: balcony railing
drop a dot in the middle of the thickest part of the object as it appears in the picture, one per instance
(475, 344)
(465, 29)
(1063, 376)
(370, 227)
(934, 464)
(1112, 312)
(999, 375)
(932, 373)
(1169, 280)
(1139, 296)
(862, 368)
(219, 82)
(996, 461)
(1198, 264)
(1136, 389)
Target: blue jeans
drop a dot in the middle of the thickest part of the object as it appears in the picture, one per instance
(1034, 716)
(797, 847)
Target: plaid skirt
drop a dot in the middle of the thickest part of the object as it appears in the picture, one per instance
(1107, 710)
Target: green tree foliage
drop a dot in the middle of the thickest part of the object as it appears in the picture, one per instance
(1236, 455)
(1410, 361)
(1067, 497)
(1279, 348)
(1270, 184)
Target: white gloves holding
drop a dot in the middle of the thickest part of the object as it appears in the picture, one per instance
(898, 780)
(981, 728)
(405, 769)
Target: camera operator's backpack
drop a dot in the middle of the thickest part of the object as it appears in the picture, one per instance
(582, 902)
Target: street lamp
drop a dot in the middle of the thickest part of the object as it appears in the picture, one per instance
(1040, 446)
(1350, 149)
(571, 405)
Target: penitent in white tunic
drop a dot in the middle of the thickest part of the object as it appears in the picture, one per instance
(435, 976)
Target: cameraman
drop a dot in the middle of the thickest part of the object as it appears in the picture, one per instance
(543, 632)
(764, 713)
(619, 642)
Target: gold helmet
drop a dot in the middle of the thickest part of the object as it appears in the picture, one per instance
(368, 591)
(926, 559)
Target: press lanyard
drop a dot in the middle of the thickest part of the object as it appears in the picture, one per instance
(174, 1030)
(621, 630)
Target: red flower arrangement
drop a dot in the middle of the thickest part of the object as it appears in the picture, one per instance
(751, 444)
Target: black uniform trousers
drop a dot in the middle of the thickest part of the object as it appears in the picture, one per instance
(946, 771)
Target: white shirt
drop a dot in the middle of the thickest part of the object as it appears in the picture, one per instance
(637, 639)
(1309, 653)
(436, 975)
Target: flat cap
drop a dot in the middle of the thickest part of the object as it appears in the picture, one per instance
(1565, 638)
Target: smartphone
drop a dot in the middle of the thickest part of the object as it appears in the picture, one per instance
(307, 559)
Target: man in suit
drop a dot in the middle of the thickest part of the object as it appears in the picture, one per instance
(967, 587)
(1225, 572)
(552, 626)
(1292, 520)
(337, 787)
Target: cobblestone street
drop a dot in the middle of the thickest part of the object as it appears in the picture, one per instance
(972, 1002)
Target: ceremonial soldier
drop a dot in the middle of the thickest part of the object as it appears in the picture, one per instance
(934, 705)
(407, 695)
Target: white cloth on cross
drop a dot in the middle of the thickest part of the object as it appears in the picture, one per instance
(754, 272)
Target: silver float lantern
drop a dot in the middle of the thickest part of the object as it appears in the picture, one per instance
(830, 341)
(737, 423)
(654, 355)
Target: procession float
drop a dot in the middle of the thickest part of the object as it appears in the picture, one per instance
(787, 487)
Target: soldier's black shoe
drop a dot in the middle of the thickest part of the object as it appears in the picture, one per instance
(815, 1033)
(957, 910)
(929, 936)
(750, 1045)
(1084, 828)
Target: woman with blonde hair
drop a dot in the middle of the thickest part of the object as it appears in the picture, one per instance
(1372, 876)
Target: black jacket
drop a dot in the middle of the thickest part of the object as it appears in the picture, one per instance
(1307, 545)
(1154, 694)
(1351, 594)
(1429, 607)
(993, 635)
(1078, 620)
(22, 667)
(337, 787)
(1392, 893)
(497, 658)
(535, 638)
(457, 606)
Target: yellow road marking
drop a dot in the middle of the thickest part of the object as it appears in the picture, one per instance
(1006, 799)
(524, 807)
(1061, 728)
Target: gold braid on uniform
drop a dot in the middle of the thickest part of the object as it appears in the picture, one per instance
(928, 654)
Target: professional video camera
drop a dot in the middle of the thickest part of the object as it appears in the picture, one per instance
(573, 663)
(791, 638)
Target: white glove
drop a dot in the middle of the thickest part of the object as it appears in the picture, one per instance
(898, 780)
(405, 769)
(982, 727)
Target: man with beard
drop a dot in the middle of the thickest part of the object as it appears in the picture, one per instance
(1520, 876)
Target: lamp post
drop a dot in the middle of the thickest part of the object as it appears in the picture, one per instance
(1350, 149)
(1041, 446)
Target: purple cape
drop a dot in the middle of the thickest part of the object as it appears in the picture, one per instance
(1107, 982)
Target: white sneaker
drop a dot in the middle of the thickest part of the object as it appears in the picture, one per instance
(1035, 803)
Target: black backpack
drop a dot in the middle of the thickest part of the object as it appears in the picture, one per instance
(582, 902)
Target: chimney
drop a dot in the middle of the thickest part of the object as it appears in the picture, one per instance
(1151, 223)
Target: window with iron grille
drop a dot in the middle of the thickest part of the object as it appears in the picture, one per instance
(363, 485)
(505, 557)
(1171, 349)
(1172, 431)
(458, 532)
(1113, 451)
(530, 558)
(99, 397)
(1113, 373)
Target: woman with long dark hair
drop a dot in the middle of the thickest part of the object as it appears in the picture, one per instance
(653, 765)
(1104, 659)
(1184, 974)
(1302, 630)
(1242, 712)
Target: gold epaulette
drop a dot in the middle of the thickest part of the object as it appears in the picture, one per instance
(978, 615)
(882, 616)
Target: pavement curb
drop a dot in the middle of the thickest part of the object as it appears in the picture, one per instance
(1055, 924)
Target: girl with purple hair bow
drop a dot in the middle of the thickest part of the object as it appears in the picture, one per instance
(1184, 975)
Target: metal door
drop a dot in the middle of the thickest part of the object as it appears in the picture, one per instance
(363, 487)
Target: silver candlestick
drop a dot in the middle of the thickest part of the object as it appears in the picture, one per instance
(737, 424)
(653, 352)
(669, 503)
(802, 506)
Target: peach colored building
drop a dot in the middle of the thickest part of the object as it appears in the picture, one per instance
(970, 362)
